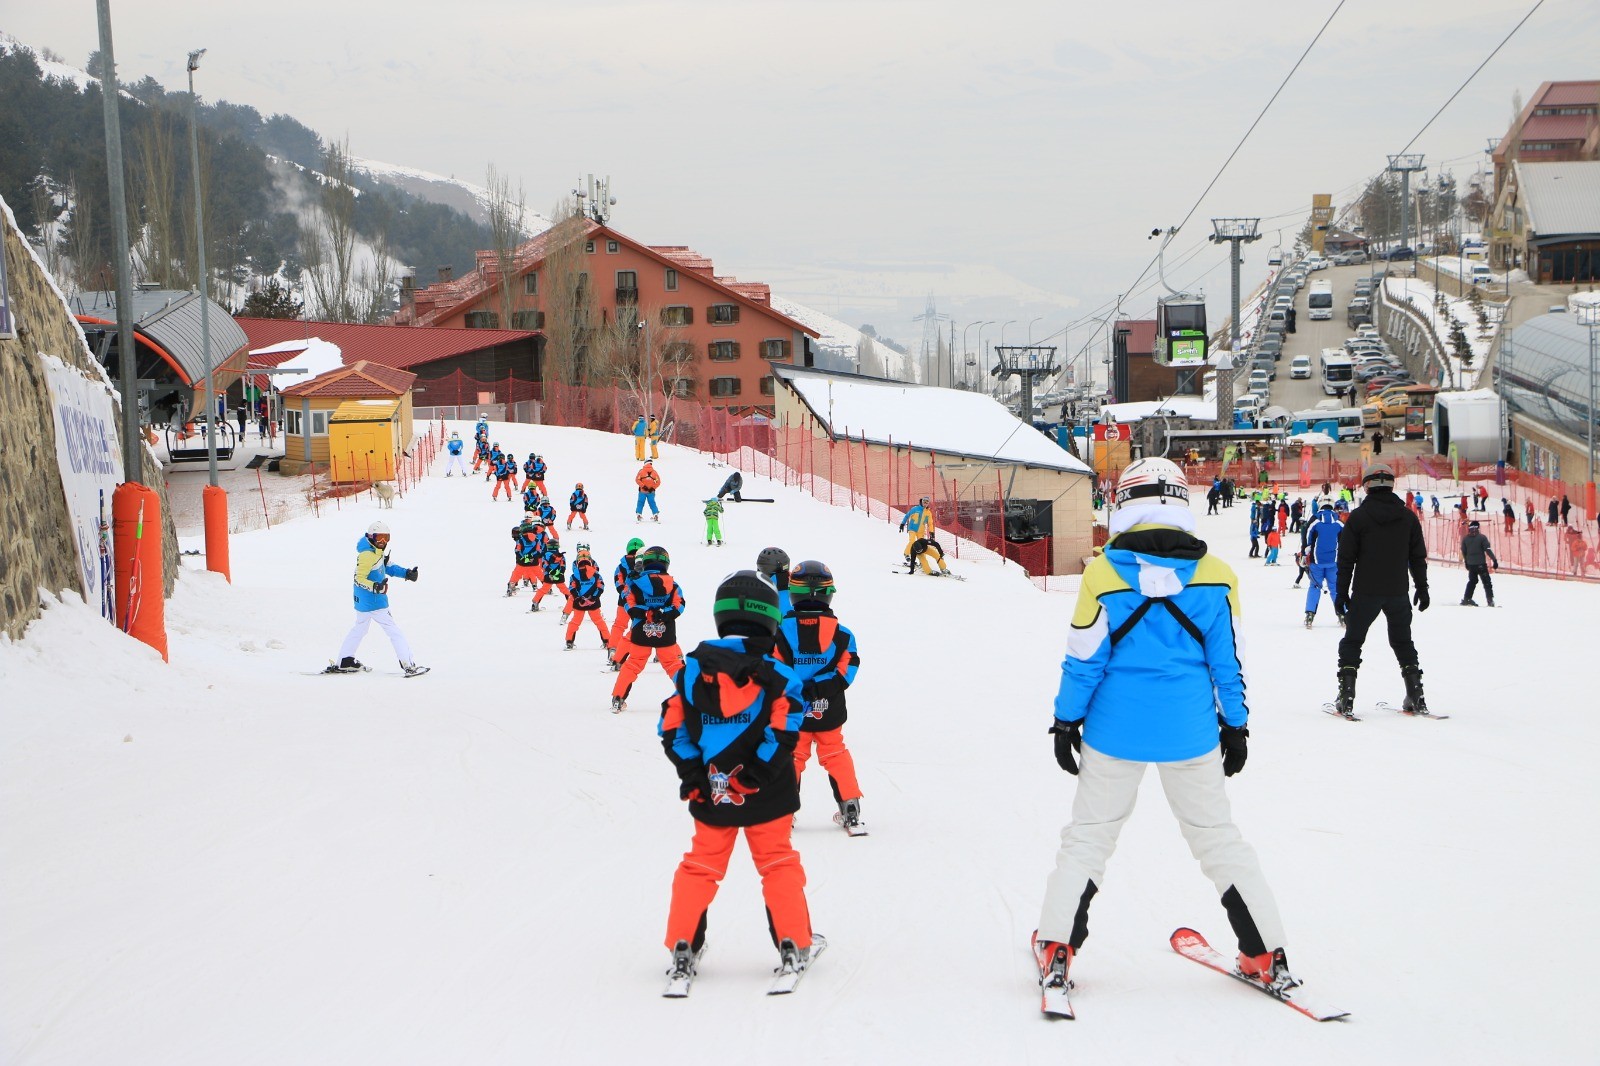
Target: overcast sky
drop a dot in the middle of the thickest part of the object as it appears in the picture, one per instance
(798, 140)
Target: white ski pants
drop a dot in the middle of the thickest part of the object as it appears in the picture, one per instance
(456, 464)
(391, 629)
(1107, 789)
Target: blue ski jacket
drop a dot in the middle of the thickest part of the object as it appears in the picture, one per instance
(373, 572)
(1322, 540)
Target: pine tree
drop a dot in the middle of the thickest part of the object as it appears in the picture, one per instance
(272, 300)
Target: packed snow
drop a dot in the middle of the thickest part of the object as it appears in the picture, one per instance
(1423, 299)
(229, 859)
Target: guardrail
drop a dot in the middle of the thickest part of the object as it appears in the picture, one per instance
(1414, 334)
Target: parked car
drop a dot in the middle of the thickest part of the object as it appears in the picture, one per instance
(1357, 256)
(1398, 255)
(1271, 345)
(1316, 262)
(1480, 274)
(1388, 405)
(1339, 259)
(1300, 366)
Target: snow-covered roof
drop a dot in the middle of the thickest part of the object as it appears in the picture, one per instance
(947, 421)
(1561, 198)
(1176, 406)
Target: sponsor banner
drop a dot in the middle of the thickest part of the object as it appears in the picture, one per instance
(90, 461)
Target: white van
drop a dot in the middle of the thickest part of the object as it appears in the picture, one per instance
(1300, 366)
(1480, 274)
(1260, 378)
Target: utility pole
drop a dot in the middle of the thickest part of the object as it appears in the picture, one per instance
(127, 354)
(1029, 362)
(1235, 231)
(1405, 165)
(200, 270)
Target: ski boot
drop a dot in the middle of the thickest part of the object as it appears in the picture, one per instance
(618, 704)
(535, 608)
(683, 962)
(792, 960)
(348, 665)
(1344, 704)
(1055, 959)
(1311, 616)
(1270, 969)
(413, 670)
(511, 589)
(570, 645)
(1415, 703)
(1469, 603)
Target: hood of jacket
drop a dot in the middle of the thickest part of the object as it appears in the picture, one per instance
(1157, 560)
(738, 657)
(1383, 506)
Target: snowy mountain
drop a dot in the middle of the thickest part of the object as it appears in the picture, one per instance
(470, 199)
(474, 866)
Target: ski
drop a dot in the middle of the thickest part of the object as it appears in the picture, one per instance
(417, 671)
(1411, 714)
(753, 499)
(856, 830)
(335, 668)
(1333, 709)
(786, 978)
(1191, 945)
(1055, 999)
(678, 982)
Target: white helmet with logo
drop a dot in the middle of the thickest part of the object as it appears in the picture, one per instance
(1152, 480)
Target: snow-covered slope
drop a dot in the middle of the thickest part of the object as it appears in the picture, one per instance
(228, 860)
(472, 200)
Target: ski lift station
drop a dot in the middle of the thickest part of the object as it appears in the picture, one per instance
(991, 476)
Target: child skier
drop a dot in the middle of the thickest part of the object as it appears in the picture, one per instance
(714, 522)
(578, 506)
(495, 455)
(373, 571)
(480, 453)
(527, 473)
(454, 447)
(586, 587)
(555, 577)
(1152, 659)
(654, 603)
(536, 470)
(729, 729)
(525, 545)
(773, 566)
(531, 499)
(822, 653)
(648, 481)
(626, 571)
(1274, 543)
(505, 478)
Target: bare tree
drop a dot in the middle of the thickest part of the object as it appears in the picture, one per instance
(153, 191)
(46, 210)
(644, 357)
(507, 213)
(566, 297)
(328, 239)
(87, 267)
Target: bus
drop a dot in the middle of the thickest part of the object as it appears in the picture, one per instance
(1320, 300)
(1338, 371)
(1348, 421)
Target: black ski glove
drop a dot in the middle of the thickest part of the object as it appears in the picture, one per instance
(1069, 738)
(411, 575)
(1420, 597)
(1235, 750)
(693, 784)
(1341, 603)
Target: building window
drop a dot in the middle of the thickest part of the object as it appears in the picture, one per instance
(481, 320)
(319, 423)
(527, 320)
(678, 352)
(672, 280)
(627, 287)
(768, 385)
(677, 315)
(530, 283)
(776, 348)
(724, 387)
(682, 386)
(291, 421)
(588, 246)
(722, 351)
(722, 314)
(1538, 146)
(612, 248)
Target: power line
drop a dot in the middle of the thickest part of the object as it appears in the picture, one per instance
(1537, 5)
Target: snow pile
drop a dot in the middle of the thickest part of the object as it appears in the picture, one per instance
(1423, 298)
(225, 859)
(316, 357)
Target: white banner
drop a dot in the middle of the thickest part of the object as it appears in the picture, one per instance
(90, 460)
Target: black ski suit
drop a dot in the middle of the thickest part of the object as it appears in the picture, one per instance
(1381, 545)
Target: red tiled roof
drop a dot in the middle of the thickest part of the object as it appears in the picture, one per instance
(360, 380)
(393, 346)
(1141, 336)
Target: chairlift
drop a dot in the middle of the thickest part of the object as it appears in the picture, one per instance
(972, 360)
(1181, 337)
(186, 441)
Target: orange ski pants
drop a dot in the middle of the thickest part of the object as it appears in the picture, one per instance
(559, 586)
(835, 759)
(592, 614)
(507, 483)
(637, 657)
(533, 574)
(578, 514)
(619, 633)
(783, 881)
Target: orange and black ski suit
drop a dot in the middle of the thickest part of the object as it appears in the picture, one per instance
(822, 653)
(729, 728)
(654, 603)
(586, 587)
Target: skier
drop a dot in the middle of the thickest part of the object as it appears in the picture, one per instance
(1274, 544)
(655, 437)
(480, 453)
(578, 506)
(640, 429)
(1321, 553)
(1474, 547)
(654, 603)
(1508, 513)
(1381, 544)
(454, 447)
(547, 515)
(918, 525)
(555, 577)
(921, 550)
(372, 574)
(823, 655)
(772, 564)
(531, 499)
(525, 545)
(714, 522)
(1152, 674)
(586, 588)
(495, 455)
(505, 478)
(732, 487)
(626, 571)
(535, 468)
(729, 729)
(648, 481)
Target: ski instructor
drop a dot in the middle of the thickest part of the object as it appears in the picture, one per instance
(1152, 675)
(372, 574)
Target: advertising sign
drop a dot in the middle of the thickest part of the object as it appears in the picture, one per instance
(1186, 347)
(1112, 432)
(1321, 219)
(90, 461)
(1416, 422)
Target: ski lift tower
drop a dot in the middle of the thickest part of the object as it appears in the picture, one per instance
(1030, 362)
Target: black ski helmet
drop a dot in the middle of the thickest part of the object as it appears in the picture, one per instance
(745, 599)
(811, 582)
(771, 560)
(654, 558)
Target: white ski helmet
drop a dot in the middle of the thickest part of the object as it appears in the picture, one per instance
(1152, 480)
(376, 528)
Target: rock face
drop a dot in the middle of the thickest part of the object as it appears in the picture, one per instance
(36, 551)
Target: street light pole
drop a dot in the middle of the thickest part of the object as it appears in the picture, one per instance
(1236, 232)
(983, 360)
(200, 269)
(127, 352)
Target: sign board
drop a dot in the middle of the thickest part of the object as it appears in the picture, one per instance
(1186, 347)
(89, 457)
(1321, 219)
(1416, 425)
(1112, 433)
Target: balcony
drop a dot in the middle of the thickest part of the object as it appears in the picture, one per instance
(628, 296)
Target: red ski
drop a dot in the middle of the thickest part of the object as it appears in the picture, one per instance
(1191, 945)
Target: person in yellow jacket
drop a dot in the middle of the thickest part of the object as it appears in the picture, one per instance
(655, 437)
(918, 525)
(641, 429)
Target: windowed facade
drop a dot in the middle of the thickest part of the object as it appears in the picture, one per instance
(482, 320)
(588, 246)
(775, 348)
(530, 283)
(682, 387)
(678, 352)
(722, 351)
(293, 421)
(527, 320)
(672, 280)
(627, 287)
(724, 387)
(677, 315)
(769, 385)
(722, 314)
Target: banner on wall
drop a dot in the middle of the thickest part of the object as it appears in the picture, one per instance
(90, 461)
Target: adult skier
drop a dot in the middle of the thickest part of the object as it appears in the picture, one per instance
(648, 481)
(578, 506)
(1474, 550)
(918, 525)
(732, 487)
(1321, 550)
(655, 437)
(641, 429)
(372, 573)
(729, 729)
(1380, 548)
(1152, 674)
(822, 653)
(654, 603)
(586, 587)
(713, 514)
(627, 569)
(454, 448)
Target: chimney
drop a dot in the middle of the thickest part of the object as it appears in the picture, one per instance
(446, 272)
(408, 291)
